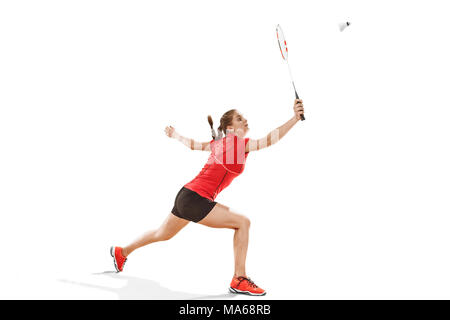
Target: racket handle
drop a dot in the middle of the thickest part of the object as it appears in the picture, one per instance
(296, 97)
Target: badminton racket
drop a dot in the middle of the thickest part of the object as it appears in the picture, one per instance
(284, 53)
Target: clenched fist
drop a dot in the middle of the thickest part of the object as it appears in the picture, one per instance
(298, 108)
(170, 131)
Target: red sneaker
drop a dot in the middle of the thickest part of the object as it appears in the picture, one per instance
(245, 286)
(119, 259)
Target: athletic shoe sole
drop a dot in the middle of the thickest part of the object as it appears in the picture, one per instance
(232, 290)
(111, 251)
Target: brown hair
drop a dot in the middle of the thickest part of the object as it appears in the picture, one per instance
(225, 121)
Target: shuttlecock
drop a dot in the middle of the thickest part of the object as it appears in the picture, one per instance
(343, 25)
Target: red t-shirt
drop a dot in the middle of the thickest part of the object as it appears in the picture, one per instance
(226, 162)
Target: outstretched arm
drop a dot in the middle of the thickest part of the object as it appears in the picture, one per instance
(275, 135)
(190, 143)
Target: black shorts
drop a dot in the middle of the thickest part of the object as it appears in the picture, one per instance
(191, 206)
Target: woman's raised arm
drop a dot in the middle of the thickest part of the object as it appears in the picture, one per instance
(275, 135)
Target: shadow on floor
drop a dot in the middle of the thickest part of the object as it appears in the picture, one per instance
(144, 289)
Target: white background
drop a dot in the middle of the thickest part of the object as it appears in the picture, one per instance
(351, 204)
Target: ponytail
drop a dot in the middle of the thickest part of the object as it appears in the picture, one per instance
(215, 136)
(213, 133)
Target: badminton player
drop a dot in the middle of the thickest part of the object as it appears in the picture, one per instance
(196, 200)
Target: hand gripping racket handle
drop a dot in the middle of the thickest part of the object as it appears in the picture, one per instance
(296, 96)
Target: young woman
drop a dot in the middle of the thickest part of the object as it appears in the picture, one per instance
(195, 200)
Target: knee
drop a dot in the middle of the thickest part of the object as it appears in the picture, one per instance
(245, 222)
(163, 236)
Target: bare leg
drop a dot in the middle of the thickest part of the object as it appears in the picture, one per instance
(167, 230)
(240, 245)
(222, 217)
